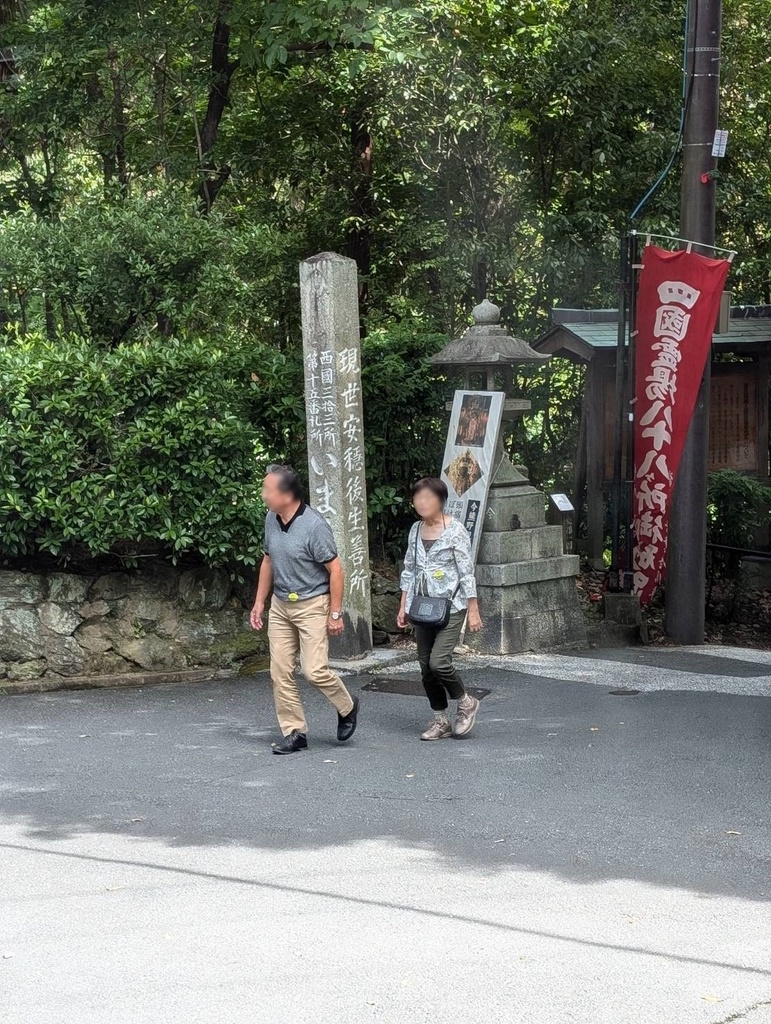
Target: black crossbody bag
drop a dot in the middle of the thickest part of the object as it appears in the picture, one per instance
(430, 612)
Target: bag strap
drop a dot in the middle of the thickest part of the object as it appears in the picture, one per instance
(457, 569)
(418, 535)
(419, 581)
(455, 592)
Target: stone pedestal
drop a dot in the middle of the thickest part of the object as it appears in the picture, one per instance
(526, 584)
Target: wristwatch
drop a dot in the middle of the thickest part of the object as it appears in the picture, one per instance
(335, 616)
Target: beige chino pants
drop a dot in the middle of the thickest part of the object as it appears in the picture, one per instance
(300, 627)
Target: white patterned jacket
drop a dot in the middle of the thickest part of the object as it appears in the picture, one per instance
(446, 569)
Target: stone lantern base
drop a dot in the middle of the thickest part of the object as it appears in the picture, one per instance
(526, 585)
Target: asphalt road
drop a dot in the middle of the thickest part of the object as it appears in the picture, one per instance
(583, 857)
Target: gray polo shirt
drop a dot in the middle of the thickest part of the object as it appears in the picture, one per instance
(299, 553)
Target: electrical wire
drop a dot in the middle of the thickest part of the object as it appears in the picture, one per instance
(685, 103)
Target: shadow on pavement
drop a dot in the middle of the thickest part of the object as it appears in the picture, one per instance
(665, 788)
(686, 661)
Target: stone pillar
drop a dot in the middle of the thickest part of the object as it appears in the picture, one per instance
(332, 356)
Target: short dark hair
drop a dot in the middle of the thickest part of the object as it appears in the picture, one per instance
(433, 484)
(288, 480)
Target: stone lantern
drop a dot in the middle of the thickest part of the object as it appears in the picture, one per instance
(526, 583)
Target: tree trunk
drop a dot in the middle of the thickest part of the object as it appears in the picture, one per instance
(212, 177)
(22, 307)
(50, 318)
(66, 319)
(9, 11)
(119, 122)
(4, 314)
(361, 208)
(95, 96)
(480, 279)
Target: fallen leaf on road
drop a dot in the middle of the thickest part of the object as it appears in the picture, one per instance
(729, 833)
(713, 999)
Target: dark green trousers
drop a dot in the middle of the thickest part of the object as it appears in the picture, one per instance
(435, 647)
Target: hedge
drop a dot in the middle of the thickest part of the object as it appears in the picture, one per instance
(147, 447)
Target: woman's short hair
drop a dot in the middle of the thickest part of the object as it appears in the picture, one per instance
(288, 480)
(433, 484)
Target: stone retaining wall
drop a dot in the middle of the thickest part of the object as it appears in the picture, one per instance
(63, 625)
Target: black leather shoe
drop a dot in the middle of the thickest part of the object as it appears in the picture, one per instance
(296, 740)
(346, 724)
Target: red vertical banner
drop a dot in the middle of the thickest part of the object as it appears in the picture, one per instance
(677, 306)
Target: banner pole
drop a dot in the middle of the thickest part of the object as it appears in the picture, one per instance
(686, 559)
(618, 420)
(630, 412)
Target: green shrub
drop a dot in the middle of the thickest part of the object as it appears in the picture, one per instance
(737, 506)
(136, 449)
(405, 424)
(120, 272)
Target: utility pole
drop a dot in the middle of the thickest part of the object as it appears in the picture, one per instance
(686, 547)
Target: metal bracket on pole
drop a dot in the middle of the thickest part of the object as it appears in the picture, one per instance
(690, 242)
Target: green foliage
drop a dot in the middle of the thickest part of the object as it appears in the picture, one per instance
(745, 174)
(139, 268)
(546, 440)
(737, 507)
(454, 148)
(404, 423)
(145, 448)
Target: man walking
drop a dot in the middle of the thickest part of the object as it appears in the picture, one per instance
(302, 568)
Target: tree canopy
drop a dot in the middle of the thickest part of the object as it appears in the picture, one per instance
(165, 165)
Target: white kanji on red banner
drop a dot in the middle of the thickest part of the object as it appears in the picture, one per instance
(676, 313)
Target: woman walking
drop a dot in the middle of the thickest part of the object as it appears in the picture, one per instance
(438, 565)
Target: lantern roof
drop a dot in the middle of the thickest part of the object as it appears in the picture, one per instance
(487, 344)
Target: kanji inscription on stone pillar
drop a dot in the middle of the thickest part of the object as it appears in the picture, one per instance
(333, 405)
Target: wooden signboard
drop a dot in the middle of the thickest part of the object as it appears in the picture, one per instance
(733, 419)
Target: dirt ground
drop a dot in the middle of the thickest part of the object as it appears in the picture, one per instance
(736, 616)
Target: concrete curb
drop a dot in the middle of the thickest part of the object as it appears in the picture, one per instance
(373, 662)
(11, 687)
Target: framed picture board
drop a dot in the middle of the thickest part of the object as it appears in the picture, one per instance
(469, 457)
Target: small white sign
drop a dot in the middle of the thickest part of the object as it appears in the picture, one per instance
(563, 502)
(720, 142)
